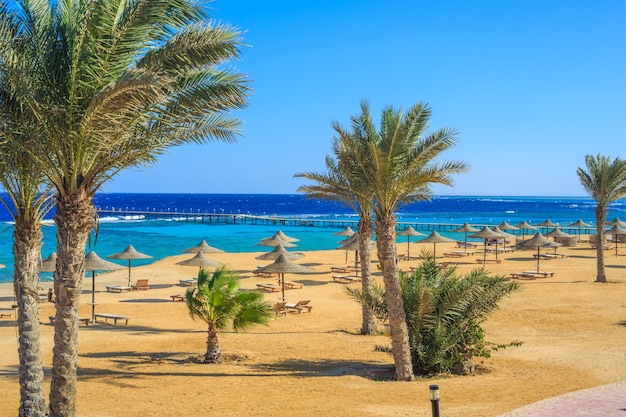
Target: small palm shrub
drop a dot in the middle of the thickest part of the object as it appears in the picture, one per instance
(221, 304)
(444, 314)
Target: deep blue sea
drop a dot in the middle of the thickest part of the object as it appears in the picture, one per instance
(166, 237)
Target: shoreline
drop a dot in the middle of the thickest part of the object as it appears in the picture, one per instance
(569, 325)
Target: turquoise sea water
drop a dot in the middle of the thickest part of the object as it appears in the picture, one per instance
(166, 237)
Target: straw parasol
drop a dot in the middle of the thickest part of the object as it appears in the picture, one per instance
(615, 231)
(352, 243)
(280, 250)
(486, 233)
(547, 223)
(504, 236)
(345, 232)
(201, 261)
(525, 226)
(408, 232)
(435, 238)
(202, 247)
(537, 241)
(505, 226)
(615, 221)
(94, 263)
(465, 229)
(49, 264)
(579, 223)
(129, 254)
(557, 232)
(281, 266)
(276, 238)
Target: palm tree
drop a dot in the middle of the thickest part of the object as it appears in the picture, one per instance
(338, 184)
(116, 84)
(397, 163)
(28, 202)
(444, 314)
(219, 302)
(605, 181)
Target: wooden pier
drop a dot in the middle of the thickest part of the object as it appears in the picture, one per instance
(221, 218)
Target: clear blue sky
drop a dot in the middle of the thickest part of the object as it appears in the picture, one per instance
(532, 87)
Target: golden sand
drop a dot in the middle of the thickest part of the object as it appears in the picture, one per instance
(573, 332)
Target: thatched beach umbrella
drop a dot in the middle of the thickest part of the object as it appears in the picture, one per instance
(129, 254)
(408, 232)
(504, 226)
(537, 241)
(465, 229)
(615, 231)
(557, 232)
(280, 250)
(278, 238)
(504, 236)
(202, 247)
(281, 266)
(525, 226)
(49, 264)
(435, 238)
(615, 222)
(547, 223)
(95, 263)
(201, 261)
(345, 232)
(352, 243)
(579, 223)
(486, 233)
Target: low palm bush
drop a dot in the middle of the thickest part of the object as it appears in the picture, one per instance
(221, 304)
(444, 314)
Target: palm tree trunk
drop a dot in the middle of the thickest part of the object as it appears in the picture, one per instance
(75, 218)
(26, 246)
(386, 242)
(600, 216)
(213, 354)
(368, 327)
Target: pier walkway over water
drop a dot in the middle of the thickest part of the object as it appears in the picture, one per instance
(199, 217)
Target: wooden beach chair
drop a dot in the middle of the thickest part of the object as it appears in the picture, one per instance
(114, 317)
(118, 288)
(141, 284)
(299, 306)
(269, 287)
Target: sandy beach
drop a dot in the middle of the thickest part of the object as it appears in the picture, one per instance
(572, 329)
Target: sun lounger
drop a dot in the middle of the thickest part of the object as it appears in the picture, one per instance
(482, 261)
(113, 317)
(141, 284)
(457, 254)
(299, 306)
(293, 285)
(269, 287)
(280, 309)
(521, 275)
(84, 320)
(188, 282)
(6, 312)
(346, 278)
(344, 269)
(118, 288)
(550, 256)
(465, 245)
(544, 274)
(177, 297)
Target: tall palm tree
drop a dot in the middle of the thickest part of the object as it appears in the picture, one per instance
(397, 162)
(605, 181)
(219, 302)
(117, 83)
(28, 202)
(338, 184)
